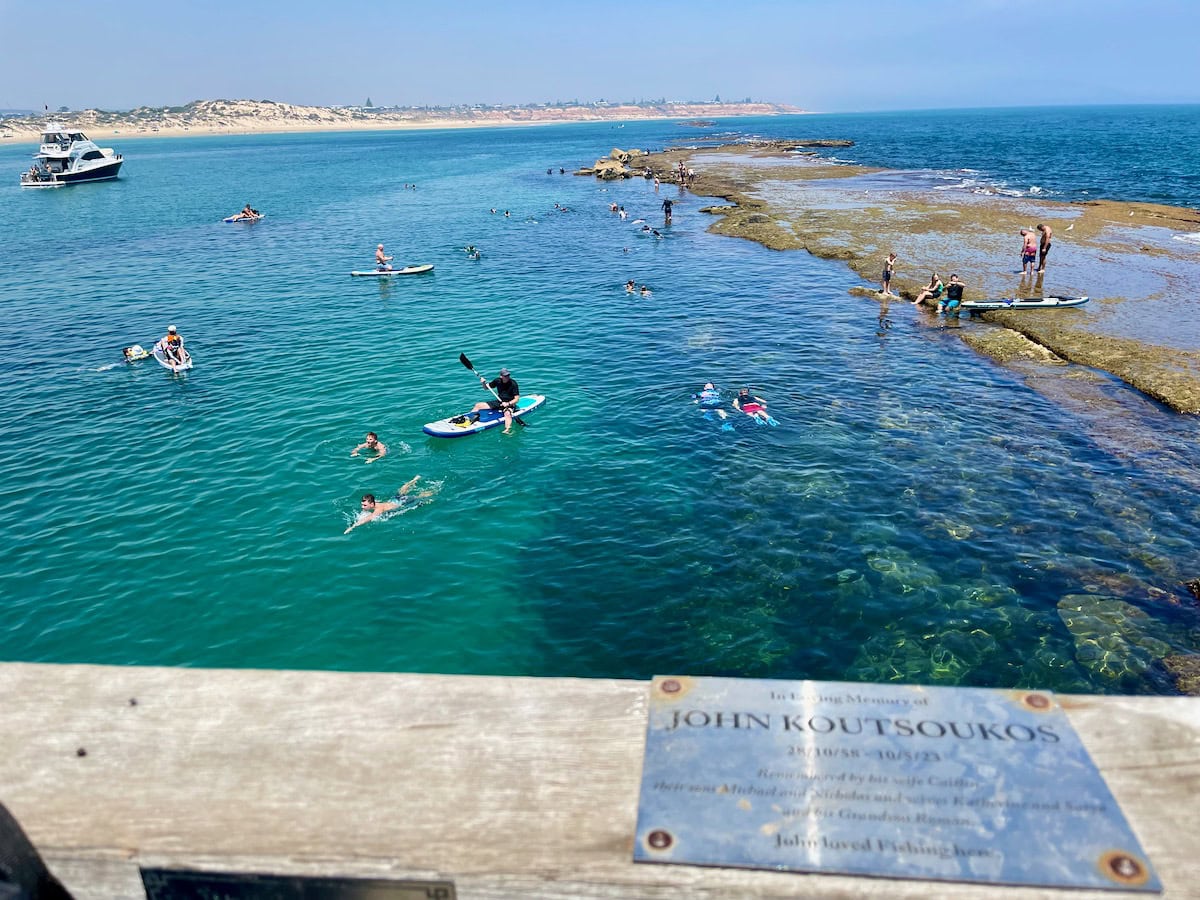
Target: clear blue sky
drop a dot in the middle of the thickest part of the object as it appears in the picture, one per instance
(833, 55)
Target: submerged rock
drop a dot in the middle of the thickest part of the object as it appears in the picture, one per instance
(1186, 670)
(1114, 640)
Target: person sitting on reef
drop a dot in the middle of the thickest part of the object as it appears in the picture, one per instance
(953, 299)
(932, 292)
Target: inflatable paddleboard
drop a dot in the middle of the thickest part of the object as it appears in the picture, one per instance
(1024, 303)
(407, 270)
(236, 218)
(167, 364)
(467, 423)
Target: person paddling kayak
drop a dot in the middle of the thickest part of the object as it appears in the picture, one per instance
(508, 393)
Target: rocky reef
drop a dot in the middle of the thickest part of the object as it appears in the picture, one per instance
(1126, 256)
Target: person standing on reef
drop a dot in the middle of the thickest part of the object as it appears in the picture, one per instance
(382, 261)
(889, 266)
(1029, 252)
(1044, 247)
(666, 207)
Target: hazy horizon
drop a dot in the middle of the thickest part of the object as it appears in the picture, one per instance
(855, 56)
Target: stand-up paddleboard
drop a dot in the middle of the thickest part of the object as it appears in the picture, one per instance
(236, 218)
(473, 423)
(168, 364)
(1023, 303)
(407, 270)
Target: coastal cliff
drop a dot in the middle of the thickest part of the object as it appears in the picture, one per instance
(236, 116)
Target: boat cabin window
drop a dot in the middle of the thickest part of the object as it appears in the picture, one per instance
(93, 154)
(78, 136)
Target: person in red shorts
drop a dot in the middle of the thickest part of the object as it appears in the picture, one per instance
(755, 407)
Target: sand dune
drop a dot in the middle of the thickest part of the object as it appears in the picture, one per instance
(251, 116)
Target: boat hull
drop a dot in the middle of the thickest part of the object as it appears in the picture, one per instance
(106, 171)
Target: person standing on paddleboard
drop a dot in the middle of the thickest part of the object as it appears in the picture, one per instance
(506, 389)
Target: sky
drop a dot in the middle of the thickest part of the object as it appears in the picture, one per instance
(828, 56)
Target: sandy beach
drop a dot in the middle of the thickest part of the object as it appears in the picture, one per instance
(265, 117)
(1135, 260)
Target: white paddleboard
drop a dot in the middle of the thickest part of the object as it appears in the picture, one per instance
(168, 364)
(473, 423)
(407, 270)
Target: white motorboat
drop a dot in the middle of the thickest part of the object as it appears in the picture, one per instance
(67, 156)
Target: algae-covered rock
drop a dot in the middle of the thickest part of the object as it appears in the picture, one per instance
(1114, 640)
(1186, 669)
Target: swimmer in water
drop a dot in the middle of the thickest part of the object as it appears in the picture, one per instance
(372, 510)
(710, 399)
(372, 442)
(755, 407)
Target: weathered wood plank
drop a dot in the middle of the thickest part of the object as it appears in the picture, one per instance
(510, 787)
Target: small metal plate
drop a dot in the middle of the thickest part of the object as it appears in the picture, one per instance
(950, 784)
(181, 884)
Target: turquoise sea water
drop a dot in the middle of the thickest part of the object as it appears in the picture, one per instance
(919, 513)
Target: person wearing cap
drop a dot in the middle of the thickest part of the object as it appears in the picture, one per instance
(507, 394)
(172, 346)
(382, 262)
(709, 398)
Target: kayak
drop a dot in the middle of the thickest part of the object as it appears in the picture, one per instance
(1023, 303)
(407, 270)
(168, 364)
(242, 218)
(472, 423)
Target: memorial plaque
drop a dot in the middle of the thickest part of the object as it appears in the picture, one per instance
(187, 884)
(950, 784)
